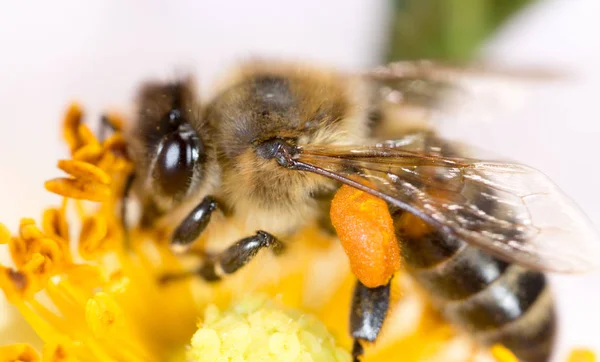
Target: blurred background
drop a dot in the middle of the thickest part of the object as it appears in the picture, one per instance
(97, 52)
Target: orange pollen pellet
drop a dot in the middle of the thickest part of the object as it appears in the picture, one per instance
(366, 231)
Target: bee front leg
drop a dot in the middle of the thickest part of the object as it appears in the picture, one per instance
(368, 311)
(233, 258)
(192, 226)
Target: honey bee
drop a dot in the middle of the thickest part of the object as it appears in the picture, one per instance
(278, 139)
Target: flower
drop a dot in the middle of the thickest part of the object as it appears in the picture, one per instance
(88, 297)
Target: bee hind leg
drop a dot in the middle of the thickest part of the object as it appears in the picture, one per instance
(231, 259)
(367, 313)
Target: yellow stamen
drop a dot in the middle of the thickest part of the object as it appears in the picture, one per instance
(19, 353)
(90, 153)
(582, 355)
(58, 352)
(503, 354)
(4, 234)
(28, 230)
(17, 285)
(78, 189)
(71, 123)
(103, 315)
(86, 136)
(115, 143)
(54, 224)
(84, 171)
(93, 232)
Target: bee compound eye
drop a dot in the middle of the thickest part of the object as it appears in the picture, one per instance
(177, 155)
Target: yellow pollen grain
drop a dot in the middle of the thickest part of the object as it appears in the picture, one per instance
(257, 329)
(503, 354)
(85, 171)
(285, 346)
(78, 189)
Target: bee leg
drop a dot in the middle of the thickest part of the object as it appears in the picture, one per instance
(231, 259)
(193, 225)
(368, 311)
(240, 253)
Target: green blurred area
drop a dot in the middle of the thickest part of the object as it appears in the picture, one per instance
(446, 29)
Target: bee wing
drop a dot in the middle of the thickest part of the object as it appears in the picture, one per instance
(429, 86)
(510, 210)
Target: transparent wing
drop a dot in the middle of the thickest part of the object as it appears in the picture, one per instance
(509, 210)
(433, 89)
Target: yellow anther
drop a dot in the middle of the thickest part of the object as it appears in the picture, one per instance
(57, 352)
(93, 231)
(86, 136)
(107, 161)
(582, 355)
(122, 165)
(28, 230)
(89, 153)
(18, 251)
(16, 285)
(50, 249)
(115, 143)
(503, 354)
(18, 353)
(78, 189)
(4, 234)
(84, 171)
(54, 224)
(37, 264)
(71, 123)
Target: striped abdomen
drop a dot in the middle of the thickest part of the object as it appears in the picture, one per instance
(495, 301)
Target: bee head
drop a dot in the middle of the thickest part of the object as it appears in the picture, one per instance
(170, 144)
